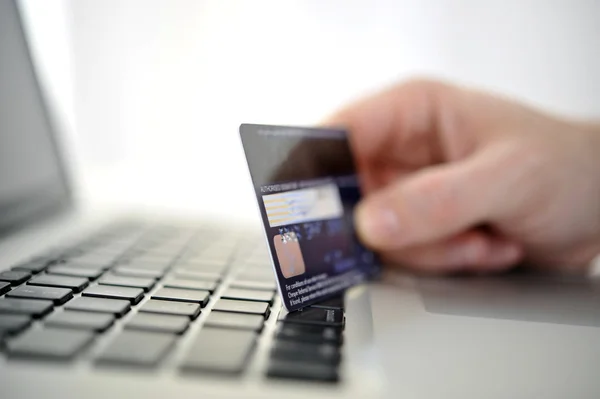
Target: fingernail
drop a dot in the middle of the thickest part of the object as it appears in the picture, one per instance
(376, 225)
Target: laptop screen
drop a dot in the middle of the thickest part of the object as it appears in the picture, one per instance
(31, 176)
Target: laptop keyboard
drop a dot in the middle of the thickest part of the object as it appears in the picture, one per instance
(155, 281)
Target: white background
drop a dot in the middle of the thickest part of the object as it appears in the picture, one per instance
(151, 92)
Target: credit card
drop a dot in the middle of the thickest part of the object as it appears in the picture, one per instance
(306, 186)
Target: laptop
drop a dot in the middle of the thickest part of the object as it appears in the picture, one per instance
(118, 304)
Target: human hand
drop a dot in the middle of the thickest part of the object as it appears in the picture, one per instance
(458, 180)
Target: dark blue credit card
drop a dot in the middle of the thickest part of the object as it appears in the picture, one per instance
(306, 186)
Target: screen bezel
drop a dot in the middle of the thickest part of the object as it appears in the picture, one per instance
(55, 196)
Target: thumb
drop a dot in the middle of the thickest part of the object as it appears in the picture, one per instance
(430, 205)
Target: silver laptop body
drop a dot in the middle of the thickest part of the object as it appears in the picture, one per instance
(519, 336)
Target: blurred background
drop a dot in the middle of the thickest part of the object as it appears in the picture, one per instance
(150, 93)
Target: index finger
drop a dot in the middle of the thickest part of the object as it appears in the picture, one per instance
(396, 124)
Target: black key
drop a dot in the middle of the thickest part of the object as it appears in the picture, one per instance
(192, 310)
(32, 307)
(306, 352)
(80, 320)
(254, 285)
(196, 275)
(50, 342)
(56, 295)
(70, 270)
(248, 295)
(333, 303)
(309, 333)
(191, 284)
(15, 277)
(235, 320)
(180, 295)
(35, 266)
(137, 348)
(13, 324)
(123, 270)
(145, 283)
(101, 305)
(49, 280)
(228, 305)
(133, 295)
(316, 316)
(220, 351)
(4, 287)
(159, 323)
(303, 371)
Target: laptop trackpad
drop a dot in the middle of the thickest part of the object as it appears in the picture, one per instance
(526, 297)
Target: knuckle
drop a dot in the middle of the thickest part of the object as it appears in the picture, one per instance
(423, 84)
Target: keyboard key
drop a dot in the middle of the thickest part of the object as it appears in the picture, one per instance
(195, 275)
(123, 270)
(49, 280)
(84, 266)
(32, 307)
(159, 323)
(133, 295)
(254, 275)
(192, 310)
(137, 348)
(70, 270)
(80, 320)
(97, 260)
(101, 305)
(235, 320)
(181, 295)
(254, 285)
(13, 324)
(164, 252)
(35, 266)
(204, 262)
(147, 265)
(191, 284)
(303, 371)
(333, 303)
(15, 277)
(220, 351)
(4, 287)
(228, 305)
(145, 283)
(306, 352)
(309, 333)
(56, 295)
(249, 295)
(316, 316)
(50, 342)
(199, 267)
